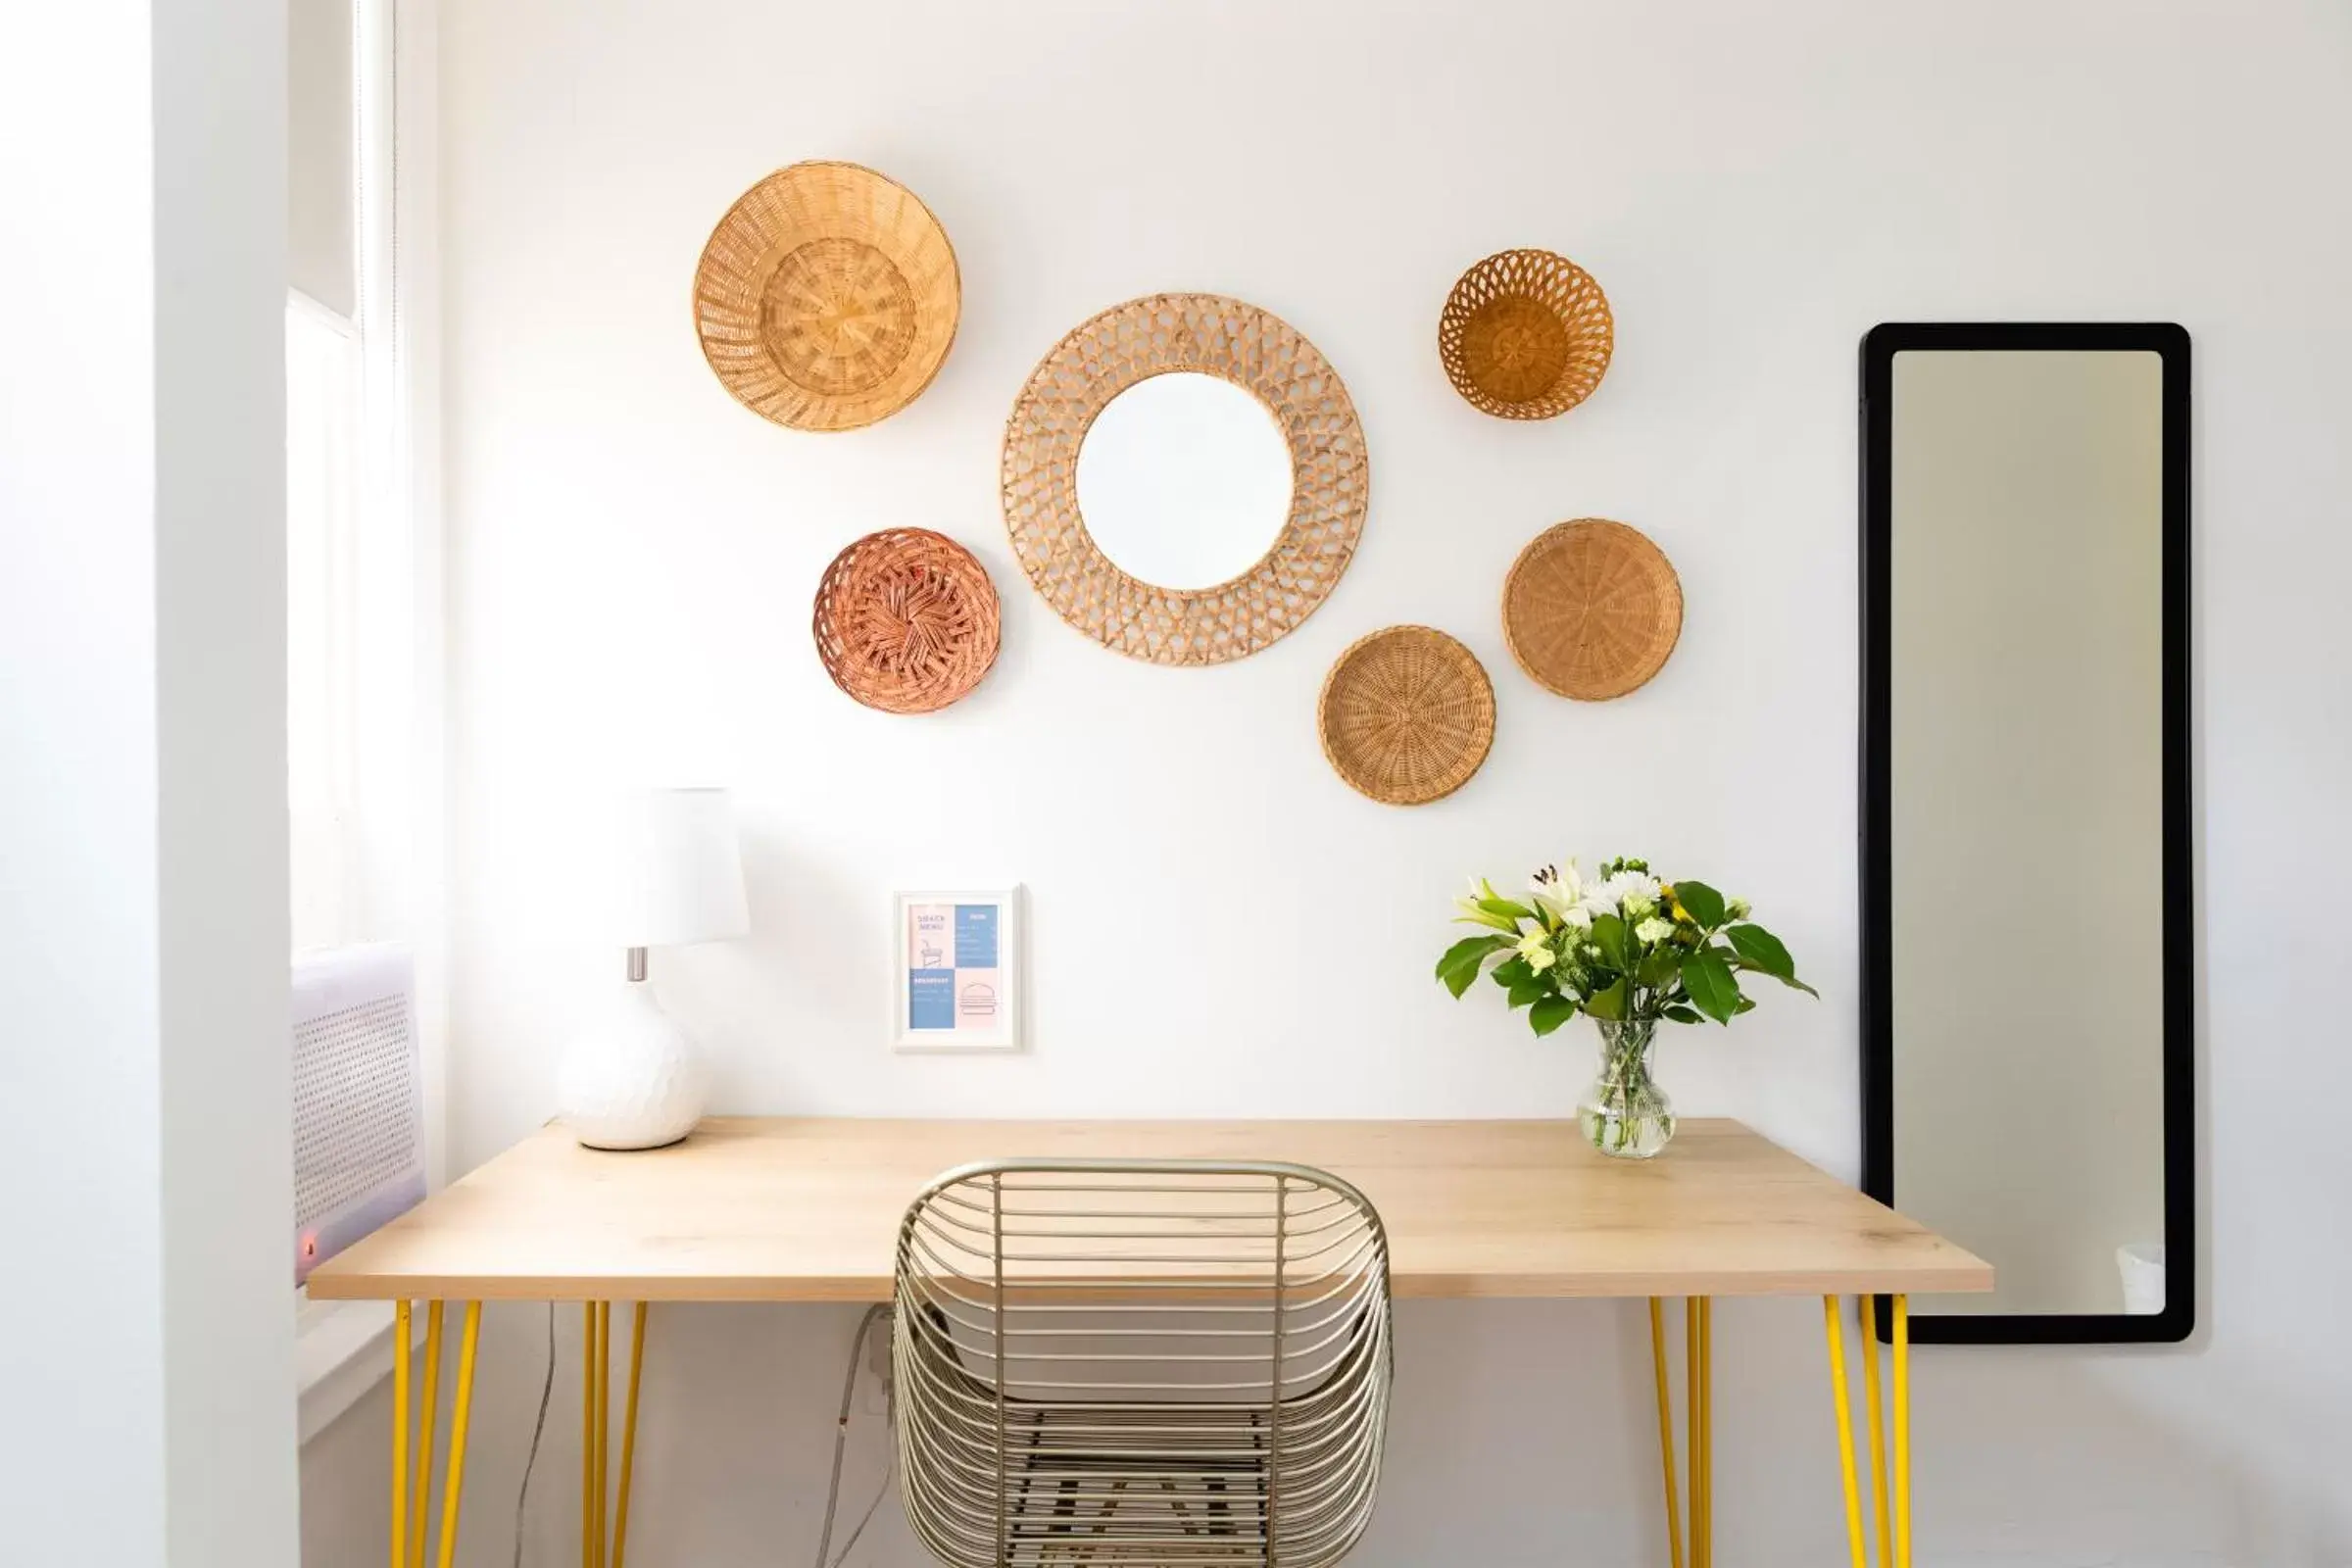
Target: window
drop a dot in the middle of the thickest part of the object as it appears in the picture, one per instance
(322, 495)
(363, 603)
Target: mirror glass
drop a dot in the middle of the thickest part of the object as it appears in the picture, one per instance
(1184, 480)
(2020, 740)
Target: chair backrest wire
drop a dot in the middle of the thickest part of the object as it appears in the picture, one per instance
(1140, 1362)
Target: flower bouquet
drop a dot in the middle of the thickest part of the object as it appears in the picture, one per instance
(1628, 951)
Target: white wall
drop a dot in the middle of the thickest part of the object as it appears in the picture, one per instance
(146, 1330)
(632, 557)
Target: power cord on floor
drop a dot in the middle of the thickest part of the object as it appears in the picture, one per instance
(878, 1313)
(546, 1389)
(841, 1436)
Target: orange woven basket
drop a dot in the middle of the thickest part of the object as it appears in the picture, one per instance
(1526, 335)
(907, 620)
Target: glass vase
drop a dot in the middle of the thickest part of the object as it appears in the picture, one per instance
(1625, 1113)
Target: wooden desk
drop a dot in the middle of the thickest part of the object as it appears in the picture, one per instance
(807, 1210)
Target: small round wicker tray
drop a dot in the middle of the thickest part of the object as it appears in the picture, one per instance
(1526, 334)
(827, 297)
(1591, 608)
(907, 620)
(1406, 715)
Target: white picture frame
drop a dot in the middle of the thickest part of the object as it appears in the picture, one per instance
(946, 994)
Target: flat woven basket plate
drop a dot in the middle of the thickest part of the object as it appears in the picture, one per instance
(827, 297)
(1406, 715)
(1256, 351)
(1526, 334)
(907, 620)
(1591, 608)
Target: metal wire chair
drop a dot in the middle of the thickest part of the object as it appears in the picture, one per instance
(1139, 1363)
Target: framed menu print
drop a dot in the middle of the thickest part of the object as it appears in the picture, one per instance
(956, 983)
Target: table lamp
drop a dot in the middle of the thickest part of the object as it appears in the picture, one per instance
(633, 1080)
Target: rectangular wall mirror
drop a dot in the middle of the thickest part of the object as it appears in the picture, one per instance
(2028, 925)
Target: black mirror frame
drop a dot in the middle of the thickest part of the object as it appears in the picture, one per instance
(2171, 343)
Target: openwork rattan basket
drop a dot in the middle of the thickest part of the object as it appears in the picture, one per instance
(1406, 715)
(827, 297)
(1254, 349)
(1526, 334)
(907, 620)
(1591, 608)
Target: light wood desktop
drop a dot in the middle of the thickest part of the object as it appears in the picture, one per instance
(807, 1210)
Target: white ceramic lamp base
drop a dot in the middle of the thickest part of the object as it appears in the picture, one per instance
(632, 1080)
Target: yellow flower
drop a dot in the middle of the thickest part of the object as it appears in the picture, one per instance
(1534, 949)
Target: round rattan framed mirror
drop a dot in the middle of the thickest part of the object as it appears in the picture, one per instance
(1124, 346)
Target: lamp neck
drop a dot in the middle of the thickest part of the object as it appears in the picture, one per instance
(637, 965)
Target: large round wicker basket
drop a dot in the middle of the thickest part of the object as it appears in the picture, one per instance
(907, 620)
(827, 297)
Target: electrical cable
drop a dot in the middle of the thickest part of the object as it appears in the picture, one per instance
(545, 1390)
(841, 1438)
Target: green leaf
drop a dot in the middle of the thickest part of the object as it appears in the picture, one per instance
(1608, 1002)
(1608, 935)
(1525, 992)
(1513, 971)
(1791, 981)
(1507, 909)
(1549, 1014)
(1746, 1005)
(1713, 990)
(1705, 905)
(1762, 948)
(1657, 971)
(1682, 1015)
(1460, 964)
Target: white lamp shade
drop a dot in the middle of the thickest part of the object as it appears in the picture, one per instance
(678, 869)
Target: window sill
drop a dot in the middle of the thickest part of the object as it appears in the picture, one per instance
(341, 1351)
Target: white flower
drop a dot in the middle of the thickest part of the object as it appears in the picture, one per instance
(1638, 904)
(1576, 915)
(1654, 929)
(1623, 885)
(1736, 910)
(1555, 889)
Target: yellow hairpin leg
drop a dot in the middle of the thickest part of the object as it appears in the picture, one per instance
(1702, 1436)
(400, 1434)
(1878, 1426)
(429, 1408)
(461, 1419)
(1657, 1361)
(1845, 1428)
(588, 1508)
(604, 1422)
(1903, 1432)
(629, 1436)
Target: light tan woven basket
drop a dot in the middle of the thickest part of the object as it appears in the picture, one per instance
(1526, 334)
(1259, 352)
(907, 620)
(1406, 715)
(827, 297)
(1591, 608)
